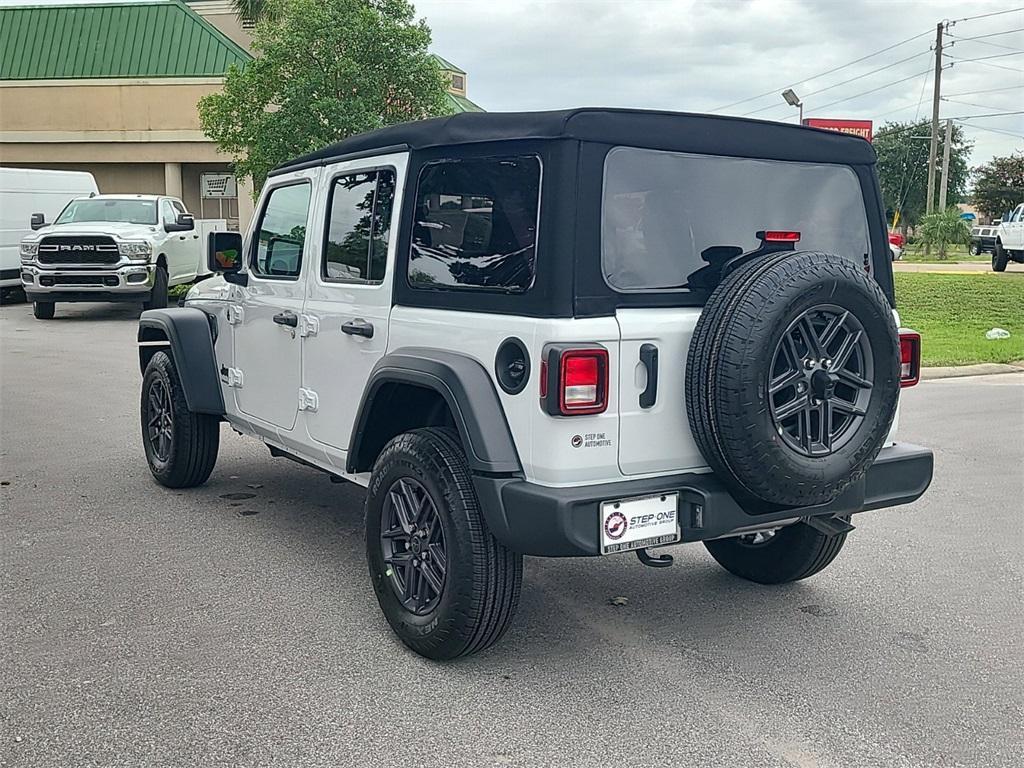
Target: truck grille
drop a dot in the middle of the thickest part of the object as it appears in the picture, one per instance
(83, 249)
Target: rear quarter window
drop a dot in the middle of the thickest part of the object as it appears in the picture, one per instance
(662, 211)
(475, 224)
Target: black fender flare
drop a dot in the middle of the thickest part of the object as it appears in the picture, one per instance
(190, 335)
(466, 388)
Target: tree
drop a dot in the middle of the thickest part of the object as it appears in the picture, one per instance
(903, 168)
(251, 11)
(943, 229)
(324, 70)
(999, 185)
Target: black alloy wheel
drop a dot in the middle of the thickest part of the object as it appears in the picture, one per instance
(413, 546)
(820, 380)
(160, 421)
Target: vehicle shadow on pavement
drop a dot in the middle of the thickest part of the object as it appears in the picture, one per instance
(566, 606)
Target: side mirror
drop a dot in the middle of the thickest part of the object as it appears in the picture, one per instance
(224, 256)
(183, 223)
(38, 221)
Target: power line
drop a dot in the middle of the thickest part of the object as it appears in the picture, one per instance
(991, 34)
(844, 82)
(987, 90)
(986, 15)
(983, 42)
(873, 90)
(983, 63)
(988, 114)
(993, 56)
(991, 130)
(969, 103)
(822, 74)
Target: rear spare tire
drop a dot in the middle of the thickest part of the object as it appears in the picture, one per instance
(792, 378)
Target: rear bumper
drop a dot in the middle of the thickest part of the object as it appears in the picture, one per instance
(563, 522)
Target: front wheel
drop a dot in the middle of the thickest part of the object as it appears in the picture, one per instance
(444, 583)
(1000, 258)
(181, 446)
(158, 297)
(976, 249)
(778, 556)
(43, 310)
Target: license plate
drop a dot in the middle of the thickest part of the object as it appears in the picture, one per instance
(650, 521)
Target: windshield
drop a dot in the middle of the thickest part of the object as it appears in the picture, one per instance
(128, 210)
(666, 215)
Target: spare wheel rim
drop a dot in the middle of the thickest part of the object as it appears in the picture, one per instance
(820, 380)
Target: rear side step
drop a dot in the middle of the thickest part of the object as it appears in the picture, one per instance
(830, 526)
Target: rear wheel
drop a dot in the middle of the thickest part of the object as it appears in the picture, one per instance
(976, 249)
(444, 584)
(779, 556)
(1000, 258)
(181, 446)
(43, 310)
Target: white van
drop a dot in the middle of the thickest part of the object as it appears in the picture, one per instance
(24, 191)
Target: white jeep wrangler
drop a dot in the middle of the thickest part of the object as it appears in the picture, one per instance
(560, 334)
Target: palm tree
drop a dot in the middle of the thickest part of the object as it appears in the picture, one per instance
(251, 11)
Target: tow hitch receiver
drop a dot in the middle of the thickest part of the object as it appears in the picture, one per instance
(830, 526)
(654, 561)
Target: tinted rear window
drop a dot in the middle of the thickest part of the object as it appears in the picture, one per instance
(476, 224)
(662, 210)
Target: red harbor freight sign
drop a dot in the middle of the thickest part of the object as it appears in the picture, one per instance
(860, 128)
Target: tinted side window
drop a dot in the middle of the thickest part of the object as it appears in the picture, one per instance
(358, 225)
(281, 235)
(475, 224)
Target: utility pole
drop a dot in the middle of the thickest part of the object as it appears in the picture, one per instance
(937, 91)
(945, 164)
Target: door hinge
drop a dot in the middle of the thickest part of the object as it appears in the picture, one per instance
(309, 325)
(234, 314)
(308, 401)
(231, 376)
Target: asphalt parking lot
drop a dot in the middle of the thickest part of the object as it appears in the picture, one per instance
(233, 625)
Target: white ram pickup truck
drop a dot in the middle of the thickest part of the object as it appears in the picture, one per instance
(124, 248)
(1009, 245)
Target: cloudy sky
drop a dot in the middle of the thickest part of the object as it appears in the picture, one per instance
(704, 56)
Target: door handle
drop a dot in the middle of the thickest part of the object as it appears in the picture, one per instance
(649, 357)
(358, 327)
(287, 318)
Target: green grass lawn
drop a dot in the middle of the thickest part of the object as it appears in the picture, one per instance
(952, 313)
(915, 253)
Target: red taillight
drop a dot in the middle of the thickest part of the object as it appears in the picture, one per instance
(910, 357)
(781, 236)
(581, 386)
(896, 239)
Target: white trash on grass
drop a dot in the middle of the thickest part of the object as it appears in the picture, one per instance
(997, 333)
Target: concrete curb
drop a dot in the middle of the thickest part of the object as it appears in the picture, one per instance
(958, 371)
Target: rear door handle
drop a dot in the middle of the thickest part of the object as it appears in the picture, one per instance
(358, 327)
(649, 357)
(287, 318)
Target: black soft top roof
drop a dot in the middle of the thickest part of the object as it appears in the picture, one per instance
(674, 131)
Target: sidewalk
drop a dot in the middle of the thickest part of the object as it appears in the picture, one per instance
(952, 267)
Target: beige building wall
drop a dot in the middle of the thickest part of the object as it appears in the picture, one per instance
(140, 136)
